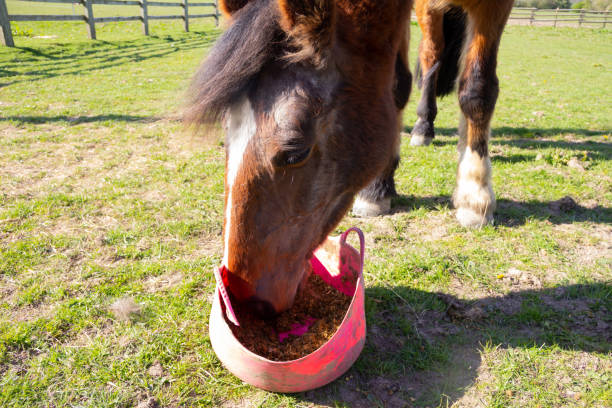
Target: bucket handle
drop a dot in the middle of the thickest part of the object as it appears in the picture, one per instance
(229, 311)
(361, 244)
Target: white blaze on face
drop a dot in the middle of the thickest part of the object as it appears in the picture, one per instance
(241, 128)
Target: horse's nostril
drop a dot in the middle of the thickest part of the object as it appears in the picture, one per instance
(263, 309)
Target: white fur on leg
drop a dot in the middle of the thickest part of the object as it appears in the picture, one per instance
(420, 140)
(366, 208)
(474, 197)
(416, 137)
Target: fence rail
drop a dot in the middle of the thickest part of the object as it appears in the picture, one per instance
(89, 18)
(560, 17)
(557, 17)
(519, 15)
(45, 17)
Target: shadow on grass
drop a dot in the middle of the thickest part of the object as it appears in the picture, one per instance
(424, 349)
(80, 58)
(511, 158)
(523, 132)
(75, 120)
(531, 139)
(512, 213)
(596, 150)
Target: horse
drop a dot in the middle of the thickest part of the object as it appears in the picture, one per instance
(309, 93)
(460, 45)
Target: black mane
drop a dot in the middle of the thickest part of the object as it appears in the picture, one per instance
(237, 57)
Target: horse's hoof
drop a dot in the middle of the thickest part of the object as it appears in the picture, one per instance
(420, 140)
(469, 218)
(366, 208)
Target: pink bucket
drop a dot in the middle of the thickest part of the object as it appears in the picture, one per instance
(325, 364)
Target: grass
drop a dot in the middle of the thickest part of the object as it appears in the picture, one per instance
(106, 197)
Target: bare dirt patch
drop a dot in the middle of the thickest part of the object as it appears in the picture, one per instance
(586, 244)
(256, 399)
(86, 164)
(397, 230)
(163, 282)
(31, 313)
(208, 245)
(516, 279)
(148, 403)
(563, 205)
(468, 290)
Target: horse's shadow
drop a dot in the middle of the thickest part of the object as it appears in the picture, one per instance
(424, 349)
(533, 139)
(522, 132)
(511, 213)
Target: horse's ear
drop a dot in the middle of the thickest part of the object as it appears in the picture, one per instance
(310, 27)
(229, 7)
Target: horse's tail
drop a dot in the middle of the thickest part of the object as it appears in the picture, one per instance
(455, 21)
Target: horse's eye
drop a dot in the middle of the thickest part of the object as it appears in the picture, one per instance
(291, 157)
(294, 158)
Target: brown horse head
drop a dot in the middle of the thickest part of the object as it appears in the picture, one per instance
(304, 90)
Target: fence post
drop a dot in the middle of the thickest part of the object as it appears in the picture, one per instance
(605, 19)
(216, 13)
(533, 10)
(90, 18)
(581, 18)
(556, 14)
(186, 17)
(144, 13)
(7, 35)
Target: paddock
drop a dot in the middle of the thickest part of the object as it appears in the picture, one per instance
(110, 225)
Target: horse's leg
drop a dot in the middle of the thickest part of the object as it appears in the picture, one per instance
(375, 199)
(478, 91)
(431, 21)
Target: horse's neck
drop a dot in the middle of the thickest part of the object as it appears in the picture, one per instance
(369, 34)
(372, 26)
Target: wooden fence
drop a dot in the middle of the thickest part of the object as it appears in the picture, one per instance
(89, 18)
(520, 15)
(560, 17)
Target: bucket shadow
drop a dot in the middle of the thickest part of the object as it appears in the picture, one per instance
(425, 349)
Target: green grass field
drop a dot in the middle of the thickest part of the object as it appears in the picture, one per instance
(106, 197)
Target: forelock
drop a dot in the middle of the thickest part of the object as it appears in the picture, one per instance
(234, 62)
